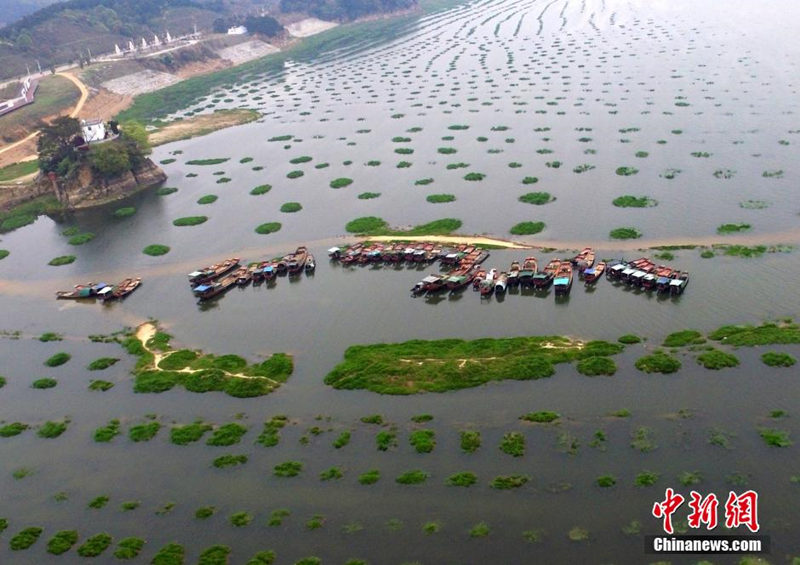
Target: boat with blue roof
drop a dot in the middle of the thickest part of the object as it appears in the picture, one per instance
(562, 281)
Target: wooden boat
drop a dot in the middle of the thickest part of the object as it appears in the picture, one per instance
(584, 259)
(311, 263)
(479, 276)
(543, 279)
(434, 283)
(88, 290)
(502, 283)
(120, 290)
(513, 273)
(678, 284)
(243, 275)
(649, 281)
(528, 271)
(663, 282)
(419, 288)
(592, 274)
(562, 281)
(297, 261)
(212, 272)
(486, 286)
(210, 290)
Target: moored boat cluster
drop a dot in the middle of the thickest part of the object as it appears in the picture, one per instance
(102, 291)
(645, 274)
(214, 280)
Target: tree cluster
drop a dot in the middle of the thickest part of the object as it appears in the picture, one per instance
(344, 9)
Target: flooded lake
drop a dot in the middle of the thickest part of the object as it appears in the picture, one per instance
(701, 100)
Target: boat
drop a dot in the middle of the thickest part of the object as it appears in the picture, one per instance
(215, 288)
(486, 286)
(592, 274)
(434, 283)
(311, 263)
(584, 259)
(649, 281)
(501, 285)
(479, 276)
(513, 273)
(88, 290)
(562, 281)
(207, 274)
(663, 281)
(543, 279)
(678, 284)
(615, 271)
(296, 261)
(419, 288)
(528, 271)
(119, 290)
(243, 275)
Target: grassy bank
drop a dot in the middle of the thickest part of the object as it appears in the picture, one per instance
(17, 170)
(27, 213)
(449, 364)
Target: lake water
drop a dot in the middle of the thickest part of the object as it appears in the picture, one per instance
(587, 82)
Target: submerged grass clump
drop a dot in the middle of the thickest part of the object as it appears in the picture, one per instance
(51, 430)
(414, 477)
(440, 198)
(368, 195)
(626, 171)
(58, 359)
(155, 250)
(733, 228)
(423, 440)
(341, 182)
(144, 432)
(778, 359)
(128, 548)
(268, 227)
(774, 437)
(513, 443)
(290, 207)
(261, 189)
(288, 469)
(25, 538)
(683, 338)
(62, 260)
(470, 441)
(102, 363)
(716, 359)
(462, 479)
(593, 366)
(541, 417)
(507, 482)
(658, 362)
(765, 334)
(62, 541)
(625, 233)
(190, 221)
(215, 161)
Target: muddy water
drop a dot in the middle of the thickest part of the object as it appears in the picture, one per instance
(576, 71)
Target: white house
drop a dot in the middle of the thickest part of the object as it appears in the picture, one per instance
(237, 30)
(93, 130)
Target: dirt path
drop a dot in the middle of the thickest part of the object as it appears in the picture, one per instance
(84, 92)
(471, 240)
(201, 125)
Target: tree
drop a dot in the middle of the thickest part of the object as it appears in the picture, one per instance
(55, 145)
(263, 25)
(110, 158)
(136, 139)
(219, 26)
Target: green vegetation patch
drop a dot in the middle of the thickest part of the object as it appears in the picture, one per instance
(81, 238)
(300, 160)
(423, 440)
(537, 198)
(25, 538)
(208, 199)
(683, 338)
(4, 253)
(128, 548)
(44, 383)
(341, 182)
(261, 189)
(774, 437)
(144, 432)
(646, 479)
(462, 479)
(440, 198)
(449, 364)
(541, 417)
(423, 182)
(12, 429)
(215, 555)
(62, 541)
(295, 174)
(733, 228)
(513, 443)
(268, 227)
(507, 482)
(334, 473)
(414, 477)
(102, 363)
(228, 434)
(372, 225)
(166, 190)
(658, 362)
(51, 430)
(94, 545)
(593, 366)
(108, 432)
(190, 221)
(156, 249)
(470, 441)
(368, 195)
(716, 359)
(270, 435)
(58, 359)
(625, 233)
(290, 207)
(765, 334)
(474, 176)
(62, 260)
(216, 161)
(630, 201)
(370, 477)
(190, 433)
(16, 170)
(606, 481)
(170, 554)
(629, 339)
(626, 171)
(288, 469)
(527, 228)
(229, 461)
(778, 359)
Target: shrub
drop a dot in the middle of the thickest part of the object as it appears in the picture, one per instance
(155, 250)
(463, 479)
(299, 160)
(341, 182)
(240, 519)
(102, 363)
(447, 150)
(58, 359)
(440, 198)
(267, 228)
(658, 362)
(593, 366)
(62, 260)
(94, 545)
(12, 429)
(289, 207)
(630, 201)
(527, 228)
(716, 359)
(332, 473)
(625, 233)
(261, 189)
(190, 221)
(423, 182)
(170, 554)
(228, 434)
(777, 359)
(479, 530)
(385, 440)
(44, 383)
(537, 198)
(190, 433)
(215, 161)
(470, 441)
(108, 432)
(412, 477)
(215, 555)
(62, 541)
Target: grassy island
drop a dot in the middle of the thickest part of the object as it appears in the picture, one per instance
(450, 364)
(372, 225)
